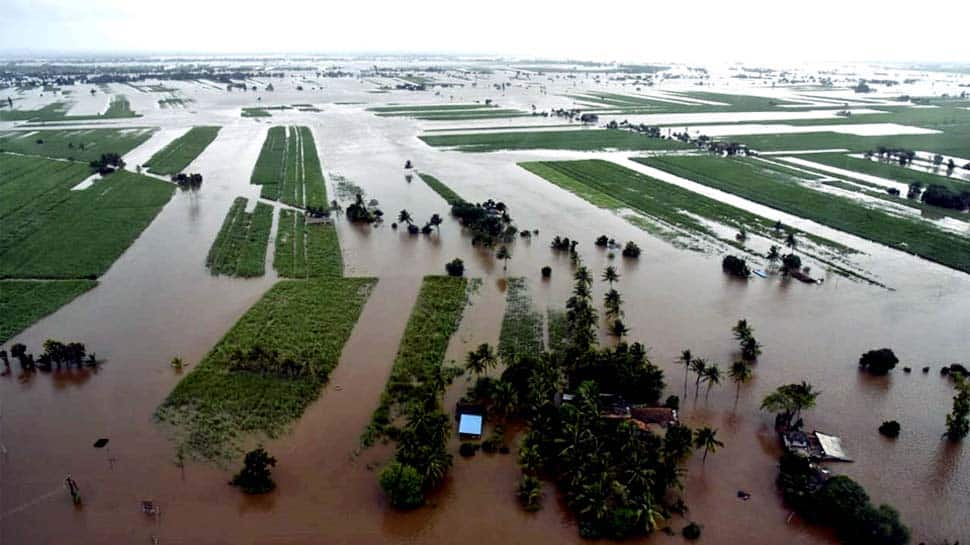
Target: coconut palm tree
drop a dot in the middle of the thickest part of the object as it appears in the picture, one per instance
(435, 222)
(504, 255)
(774, 256)
(698, 365)
(789, 401)
(619, 329)
(177, 364)
(613, 303)
(742, 330)
(405, 217)
(712, 376)
(791, 241)
(610, 275)
(740, 374)
(685, 358)
(706, 438)
(480, 360)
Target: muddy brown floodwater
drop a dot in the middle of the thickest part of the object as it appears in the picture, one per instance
(158, 301)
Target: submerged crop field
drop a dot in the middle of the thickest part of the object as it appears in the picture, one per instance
(118, 108)
(306, 250)
(448, 112)
(578, 140)
(23, 302)
(72, 234)
(420, 357)
(889, 170)
(75, 144)
(174, 157)
(267, 369)
(288, 168)
(747, 179)
(441, 189)
(522, 326)
(240, 247)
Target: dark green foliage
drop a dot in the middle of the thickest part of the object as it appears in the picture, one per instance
(306, 250)
(403, 485)
(958, 421)
(467, 450)
(546, 271)
(692, 531)
(530, 493)
(288, 168)
(521, 334)
(255, 476)
(735, 266)
(455, 267)
(942, 196)
(440, 188)
(174, 157)
(890, 428)
(631, 250)
(582, 140)
(878, 362)
(77, 144)
(791, 263)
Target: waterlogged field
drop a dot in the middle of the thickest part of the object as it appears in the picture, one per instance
(118, 108)
(23, 302)
(288, 168)
(76, 144)
(174, 157)
(748, 179)
(889, 170)
(73, 234)
(420, 357)
(240, 247)
(682, 102)
(448, 112)
(578, 140)
(441, 189)
(522, 326)
(306, 250)
(267, 369)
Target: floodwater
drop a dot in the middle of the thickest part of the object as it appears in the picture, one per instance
(157, 301)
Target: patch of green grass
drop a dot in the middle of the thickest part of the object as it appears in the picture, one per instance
(434, 318)
(927, 211)
(522, 327)
(409, 109)
(23, 302)
(240, 247)
(579, 140)
(558, 330)
(174, 157)
(77, 144)
(289, 170)
(227, 398)
(633, 104)
(889, 170)
(72, 234)
(742, 177)
(440, 188)
(306, 250)
(262, 111)
(118, 108)
(55, 110)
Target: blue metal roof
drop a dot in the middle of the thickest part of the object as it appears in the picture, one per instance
(470, 424)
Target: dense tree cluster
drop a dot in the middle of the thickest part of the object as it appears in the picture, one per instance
(107, 163)
(735, 266)
(56, 355)
(255, 477)
(958, 421)
(187, 181)
(944, 197)
(489, 222)
(878, 362)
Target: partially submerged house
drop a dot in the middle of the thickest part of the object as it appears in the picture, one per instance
(615, 407)
(816, 446)
(471, 420)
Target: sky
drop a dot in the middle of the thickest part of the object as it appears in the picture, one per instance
(607, 30)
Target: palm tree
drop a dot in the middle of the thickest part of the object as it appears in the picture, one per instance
(610, 275)
(685, 358)
(750, 349)
(706, 438)
(791, 241)
(480, 360)
(774, 255)
(618, 328)
(504, 255)
(405, 217)
(177, 364)
(712, 376)
(740, 374)
(789, 401)
(613, 302)
(435, 222)
(697, 365)
(742, 330)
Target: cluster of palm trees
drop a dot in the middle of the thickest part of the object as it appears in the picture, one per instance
(788, 402)
(744, 334)
(56, 355)
(405, 217)
(789, 262)
(710, 373)
(613, 303)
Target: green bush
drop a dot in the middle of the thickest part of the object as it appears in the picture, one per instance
(692, 531)
(530, 493)
(889, 428)
(255, 477)
(878, 362)
(403, 485)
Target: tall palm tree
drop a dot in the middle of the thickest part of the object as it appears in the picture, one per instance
(582, 276)
(480, 360)
(613, 303)
(742, 330)
(504, 255)
(774, 256)
(697, 365)
(791, 241)
(685, 358)
(435, 222)
(405, 217)
(712, 376)
(706, 438)
(610, 275)
(740, 374)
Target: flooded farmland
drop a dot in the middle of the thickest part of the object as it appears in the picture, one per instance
(158, 301)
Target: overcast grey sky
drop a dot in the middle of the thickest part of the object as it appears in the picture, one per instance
(743, 30)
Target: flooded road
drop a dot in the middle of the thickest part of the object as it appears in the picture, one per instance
(158, 301)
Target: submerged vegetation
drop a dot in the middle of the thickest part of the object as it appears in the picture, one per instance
(522, 327)
(306, 250)
(288, 168)
(75, 144)
(240, 247)
(579, 140)
(173, 158)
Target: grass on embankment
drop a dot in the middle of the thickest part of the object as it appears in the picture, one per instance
(240, 247)
(578, 140)
(174, 157)
(434, 318)
(288, 168)
(885, 169)
(306, 250)
(76, 144)
(441, 189)
(612, 186)
(745, 178)
(52, 232)
(23, 302)
(300, 328)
